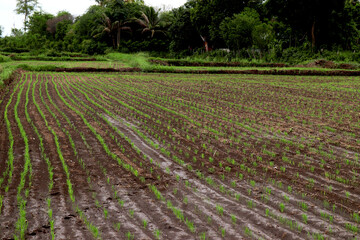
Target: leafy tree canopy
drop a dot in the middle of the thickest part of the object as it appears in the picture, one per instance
(26, 7)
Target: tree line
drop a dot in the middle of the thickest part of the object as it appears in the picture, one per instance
(243, 26)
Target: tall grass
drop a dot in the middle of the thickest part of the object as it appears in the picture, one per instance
(5, 73)
(4, 58)
(138, 60)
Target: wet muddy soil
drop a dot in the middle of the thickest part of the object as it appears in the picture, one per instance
(178, 156)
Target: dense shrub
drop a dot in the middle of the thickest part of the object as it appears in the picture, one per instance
(4, 58)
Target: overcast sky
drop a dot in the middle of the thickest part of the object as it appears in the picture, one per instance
(9, 19)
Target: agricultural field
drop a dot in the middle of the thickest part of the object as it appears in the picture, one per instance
(69, 64)
(179, 156)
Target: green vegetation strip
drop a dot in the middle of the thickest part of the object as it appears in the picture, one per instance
(10, 162)
(21, 224)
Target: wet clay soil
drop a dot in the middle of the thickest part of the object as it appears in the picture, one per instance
(216, 157)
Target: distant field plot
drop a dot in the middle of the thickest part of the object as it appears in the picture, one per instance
(70, 64)
(180, 156)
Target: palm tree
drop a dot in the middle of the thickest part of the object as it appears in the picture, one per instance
(150, 21)
(113, 29)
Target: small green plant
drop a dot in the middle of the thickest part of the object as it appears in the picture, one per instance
(131, 212)
(282, 207)
(233, 219)
(248, 232)
(220, 209)
(117, 226)
(250, 204)
(157, 233)
(305, 218)
(130, 236)
(252, 183)
(223, 232)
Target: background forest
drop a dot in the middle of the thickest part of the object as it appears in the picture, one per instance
(271, 30)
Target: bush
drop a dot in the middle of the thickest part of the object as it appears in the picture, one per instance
(4, 58)
(297, 55)
(14, 50)
(139, 60)
(6, 73)
(92, 47)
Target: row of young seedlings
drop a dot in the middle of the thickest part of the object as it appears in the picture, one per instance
(107, 213)
(93, 229)
(338, 178)
(145, 222)
(282, 168)
(152, 144)
(8, 173)
(44, 157)
(22, 190)
(167, 169)
(189, 223)
(169, 205)
(230, 104)
(272, 91)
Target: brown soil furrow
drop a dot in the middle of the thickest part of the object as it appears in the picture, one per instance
(159, 216)
(36, 208)
(10, 211)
